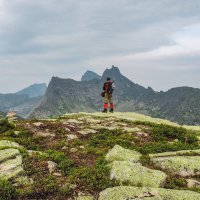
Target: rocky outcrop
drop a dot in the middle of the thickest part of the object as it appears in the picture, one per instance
(125, 168)
(178, 163)
(137, 175)
(10, 163)
(8, 144)
(130, 193)
(118, 153)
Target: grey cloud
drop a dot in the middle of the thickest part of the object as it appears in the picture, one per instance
(49, 37)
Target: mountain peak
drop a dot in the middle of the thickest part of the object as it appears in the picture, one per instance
(90, 75)
(113, 73)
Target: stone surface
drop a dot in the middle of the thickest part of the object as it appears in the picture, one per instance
(85, 198)
(11, 167)
(73, 150)
(8, 144)
(118, 153)
(192, 183)
(137, 175)
(71, 137)
(135, 193)
(8, 154)
(87, 131)
(176, 153)
(74, 121)
(183, 166)
(38, 124)
(52, 166)
(132, 130)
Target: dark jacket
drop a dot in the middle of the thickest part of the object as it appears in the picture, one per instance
(107, 87)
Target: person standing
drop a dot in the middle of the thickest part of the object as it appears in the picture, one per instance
(108, 90)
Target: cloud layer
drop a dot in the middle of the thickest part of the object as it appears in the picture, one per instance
(154, 42)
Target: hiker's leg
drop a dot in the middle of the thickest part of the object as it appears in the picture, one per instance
(105, 106)
(111, 103)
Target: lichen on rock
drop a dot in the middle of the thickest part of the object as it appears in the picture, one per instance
(8, 144)
(137, 175)
(183, 166)
(119, 153)
(128, 192)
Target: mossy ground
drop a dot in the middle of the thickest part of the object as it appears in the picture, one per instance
(81, 160)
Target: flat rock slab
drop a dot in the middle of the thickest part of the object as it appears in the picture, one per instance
(85, 198)
(87, 131)
(183, 166)
(8, 144)
(135, 193)
(11, 167)
(71, 136)
(119, 153)
(176, 153)
(8, 154)
(135, 174)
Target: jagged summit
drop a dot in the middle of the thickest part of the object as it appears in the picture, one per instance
(113, 73)
(90, 75)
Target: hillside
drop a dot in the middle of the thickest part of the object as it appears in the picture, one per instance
(35, 90)
(24, 101)
(180, 105)
(99, 157)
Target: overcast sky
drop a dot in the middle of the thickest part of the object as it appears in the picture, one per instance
(154, 42)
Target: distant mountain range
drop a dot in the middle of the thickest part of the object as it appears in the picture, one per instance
(24, 101)
(181, 104)
(35, 90)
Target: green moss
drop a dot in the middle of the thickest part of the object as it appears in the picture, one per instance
(5, 125)
(159, 147)
(64, 163)
(92, 179)
(7, 191)
(106, 139)
(175, 183)
(162, 132)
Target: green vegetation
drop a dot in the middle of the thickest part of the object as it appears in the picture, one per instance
(5, 125)
(64, 163)
(7, 190)
(106, 139)
(159, 147)
(92, 178)
(81, 165)
(175, 183)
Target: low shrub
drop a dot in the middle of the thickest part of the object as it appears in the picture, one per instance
(163, 132)
(64, 163)
(106, 139)
(159, 147)
(92, 179)
(175, 183)
(5, 125)
(7, 190)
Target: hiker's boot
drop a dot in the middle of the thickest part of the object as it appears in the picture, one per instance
(111, 107)
(105, 106)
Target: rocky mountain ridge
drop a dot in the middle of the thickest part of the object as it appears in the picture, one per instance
(181, 104)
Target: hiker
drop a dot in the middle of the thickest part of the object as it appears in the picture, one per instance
(108, 88)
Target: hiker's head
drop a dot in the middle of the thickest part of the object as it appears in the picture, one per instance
(108, 78)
